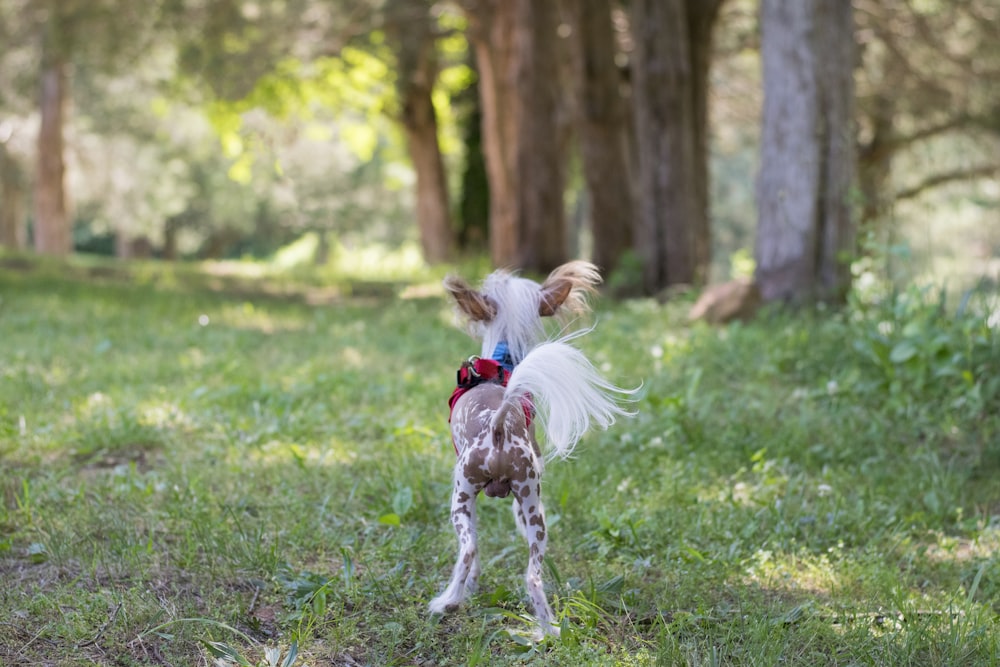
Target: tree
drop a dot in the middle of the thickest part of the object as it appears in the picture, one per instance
(70, 39)
(413, 39)
(603, 128)
(805, 227)
(18, 98)
(670, 87)
(927, 73)
(52, 225)
(12, 228)
(515, 44)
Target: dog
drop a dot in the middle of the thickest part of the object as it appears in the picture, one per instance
(519, 379)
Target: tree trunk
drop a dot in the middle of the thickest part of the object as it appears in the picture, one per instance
(837, 227)
(663, 85)
(52, 228)
(515, 43)
(702, 15)
(414, 44)
(604, 132)
(474, 204)
(804, 222)
(12, 227)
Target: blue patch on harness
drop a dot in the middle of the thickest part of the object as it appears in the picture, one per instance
(501, 355)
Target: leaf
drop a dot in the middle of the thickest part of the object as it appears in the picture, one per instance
(391, 519)
(225, 652)
(902, 352)
(932, 502)
(293, 653)
(38, 553)
(402, 501)
(975, 583)
(694, 554)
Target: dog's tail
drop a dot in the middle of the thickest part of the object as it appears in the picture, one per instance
(568, 394)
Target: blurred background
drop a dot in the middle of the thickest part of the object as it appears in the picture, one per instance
(317, 133)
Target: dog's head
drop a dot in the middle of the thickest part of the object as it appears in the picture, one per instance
(509, 308)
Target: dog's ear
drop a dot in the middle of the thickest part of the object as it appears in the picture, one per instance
(568, 285)
(554, 294)
(478, 307)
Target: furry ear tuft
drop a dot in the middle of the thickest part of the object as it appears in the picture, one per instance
(567, 288)
(478, 307)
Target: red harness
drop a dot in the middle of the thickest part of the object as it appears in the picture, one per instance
(477, 371)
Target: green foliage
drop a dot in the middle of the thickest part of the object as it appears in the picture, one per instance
(245, 478)
(916, 344)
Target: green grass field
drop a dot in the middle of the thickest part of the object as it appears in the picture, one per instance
(250, 475)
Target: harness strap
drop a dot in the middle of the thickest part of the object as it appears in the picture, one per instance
(477, 371)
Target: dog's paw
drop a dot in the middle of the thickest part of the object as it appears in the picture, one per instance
(443, 606)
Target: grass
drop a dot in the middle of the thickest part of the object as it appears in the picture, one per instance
(193, 472)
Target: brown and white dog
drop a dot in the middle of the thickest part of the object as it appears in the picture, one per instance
(518, 374)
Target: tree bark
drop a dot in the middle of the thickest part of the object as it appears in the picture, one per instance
(804, 221)
(837, 227)
(702, 16)
(515, 48)
(12, 228)
(663, 86)
(474, 202)
(414, 42)
(52, 228)
(604, 132)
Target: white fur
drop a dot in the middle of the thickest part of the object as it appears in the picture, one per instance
(567, 392)
(517, 321)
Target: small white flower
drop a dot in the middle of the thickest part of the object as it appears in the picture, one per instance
(656, 351)
(824, 489)
(831, 387)
(203, 320)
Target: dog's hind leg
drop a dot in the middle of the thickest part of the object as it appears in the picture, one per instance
(466, 572)
(530, 516)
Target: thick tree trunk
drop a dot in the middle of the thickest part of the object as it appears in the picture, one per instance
(663, 85)
(433, 211)
(604, 132)
(515, 43)
(702, 15)
(804, 222)
(52, 228)
(12, 228)
(474, 203)
(413, 37)
(837, 228)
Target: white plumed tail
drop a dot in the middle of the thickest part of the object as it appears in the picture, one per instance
(568, 393)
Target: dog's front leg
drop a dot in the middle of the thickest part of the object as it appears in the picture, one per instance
(466, 572)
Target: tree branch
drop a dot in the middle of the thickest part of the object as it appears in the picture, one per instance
(963, 174)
